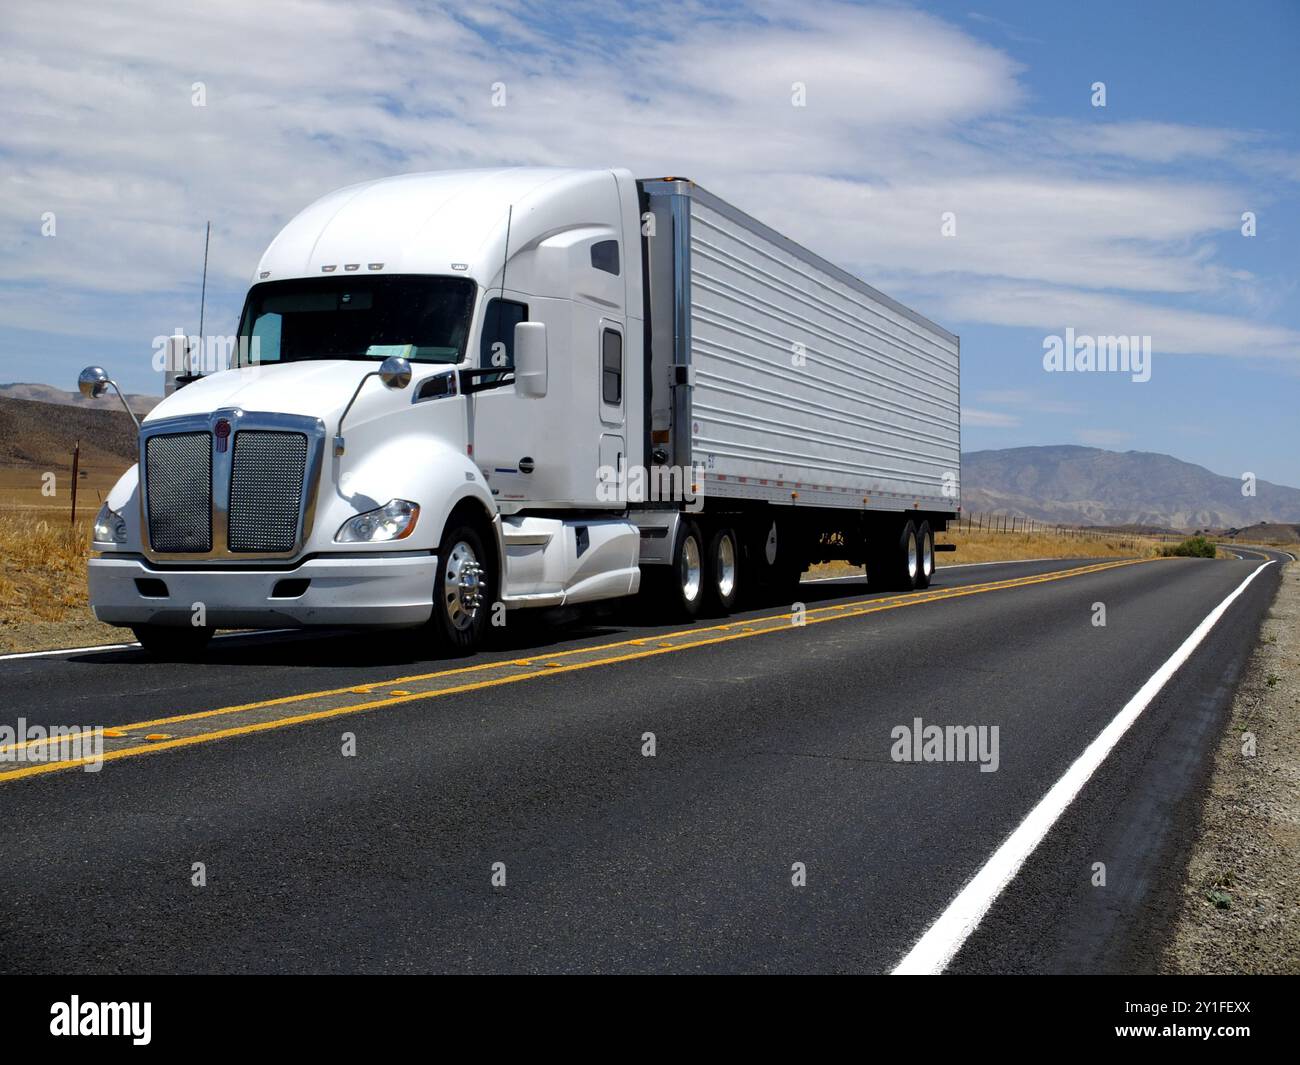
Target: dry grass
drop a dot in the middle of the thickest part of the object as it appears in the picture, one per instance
(43, 584)
(987, 546)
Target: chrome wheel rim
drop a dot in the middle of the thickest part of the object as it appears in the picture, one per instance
(726, 575)
(911, 556)
(462, 586)
(690, 569)
(927, 556)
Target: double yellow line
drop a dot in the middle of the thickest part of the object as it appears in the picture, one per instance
(205, 726)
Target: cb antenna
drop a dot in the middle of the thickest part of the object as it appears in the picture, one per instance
(509, 215)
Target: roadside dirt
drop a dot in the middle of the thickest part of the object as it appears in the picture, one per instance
(1241, 899)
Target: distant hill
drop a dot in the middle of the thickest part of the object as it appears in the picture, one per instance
(42, 436)
(1092, 486)
(142, 405)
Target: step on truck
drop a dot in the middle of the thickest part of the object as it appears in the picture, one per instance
(455, 395)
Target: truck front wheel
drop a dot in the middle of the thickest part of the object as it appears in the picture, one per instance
(173, 643)
(465, 588)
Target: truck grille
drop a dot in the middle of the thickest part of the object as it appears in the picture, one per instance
(178, 480)
(266, 480)
(190, 511)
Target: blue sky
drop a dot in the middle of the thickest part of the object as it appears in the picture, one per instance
(1116, 220)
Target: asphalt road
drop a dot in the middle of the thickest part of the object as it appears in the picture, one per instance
(772, 747)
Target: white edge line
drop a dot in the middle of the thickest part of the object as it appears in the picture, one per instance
(128, 646)
(934, 950)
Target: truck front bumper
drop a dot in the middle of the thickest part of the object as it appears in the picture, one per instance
(380, 590)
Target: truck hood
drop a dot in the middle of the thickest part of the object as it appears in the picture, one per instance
(315, 389)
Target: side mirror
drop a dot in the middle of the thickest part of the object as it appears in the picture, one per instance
(530, 359)
(93, 382)
(395, 372)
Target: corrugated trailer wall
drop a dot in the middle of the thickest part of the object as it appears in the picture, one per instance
(807, 380)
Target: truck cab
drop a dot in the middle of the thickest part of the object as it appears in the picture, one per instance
(430, 372)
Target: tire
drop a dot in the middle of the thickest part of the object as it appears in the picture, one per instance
(722, 586)
(465, 587)
(894, 560)
(173, 643)
(924, 555)
(678, 589)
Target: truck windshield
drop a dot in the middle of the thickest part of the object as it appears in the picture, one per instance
(424, 319)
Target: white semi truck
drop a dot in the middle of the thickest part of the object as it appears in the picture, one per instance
(464, 393)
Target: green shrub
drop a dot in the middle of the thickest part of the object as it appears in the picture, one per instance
(1195, 547)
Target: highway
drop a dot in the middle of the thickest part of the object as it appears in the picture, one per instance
(504, 813)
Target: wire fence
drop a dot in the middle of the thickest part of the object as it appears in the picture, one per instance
(984, 522)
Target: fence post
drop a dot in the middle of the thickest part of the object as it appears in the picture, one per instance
(76, 459)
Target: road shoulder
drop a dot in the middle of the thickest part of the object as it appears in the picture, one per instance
(1241, 893)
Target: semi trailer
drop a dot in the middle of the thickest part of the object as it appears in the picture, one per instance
(459, 394)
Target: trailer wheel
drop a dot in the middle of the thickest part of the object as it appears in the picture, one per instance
(924, 555)
(894, 561)
(464, 588)
(173, 643)
(678, 589)
(723, 571)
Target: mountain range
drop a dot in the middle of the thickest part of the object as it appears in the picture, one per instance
(1075, 485)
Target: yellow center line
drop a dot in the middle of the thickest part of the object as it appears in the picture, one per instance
(698, 637)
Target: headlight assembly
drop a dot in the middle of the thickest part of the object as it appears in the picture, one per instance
(395, 520)
(110, 526)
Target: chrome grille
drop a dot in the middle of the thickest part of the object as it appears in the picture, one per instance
(266, 481)
(178, 484)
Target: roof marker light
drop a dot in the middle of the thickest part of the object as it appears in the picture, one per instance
(328, 269)
(374, 266)
(352, 266)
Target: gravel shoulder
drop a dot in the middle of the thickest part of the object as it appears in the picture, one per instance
(1241, 897)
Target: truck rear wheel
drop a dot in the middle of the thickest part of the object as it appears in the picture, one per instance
(924, 555)
(173, 643)
(677, 589)
(464, 589)
(894, 561)
(723, 571)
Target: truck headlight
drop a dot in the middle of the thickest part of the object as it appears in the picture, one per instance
(110, 526)
(395, 520)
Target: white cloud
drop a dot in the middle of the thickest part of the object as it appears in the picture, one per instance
(973, 417)
(907, 117)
